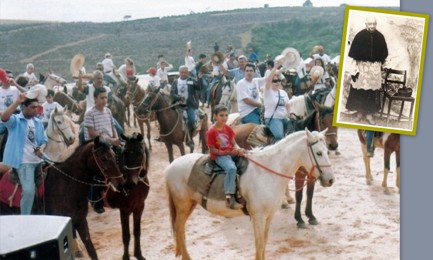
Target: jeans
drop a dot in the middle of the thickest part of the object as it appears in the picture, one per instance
(253, 117)
(26, 174)
(212, 84)
(204, 89)
(109, 80)
(2, 128)
(277, 127)
(190, 111)
(369, 137)
(226, 162)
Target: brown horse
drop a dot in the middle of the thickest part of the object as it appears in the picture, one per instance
(320, 119)
(135, 95)
(171, 122)
(65, 100)
(222, 93)
(390, 143)
(134, 163)
(67, 184)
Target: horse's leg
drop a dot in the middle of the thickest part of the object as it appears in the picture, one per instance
(397, 159)
(170, 151)
(180, 209)
(287, 199)
(368, 176)
(309, 208)
(148, 134)
(126, 237)
(386, 157)
(138, 212)
(260, 234)
(299, 184)
(83, 230)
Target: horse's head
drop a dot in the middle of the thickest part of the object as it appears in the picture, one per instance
(318, 157)
(105, 160)
(52, 80)
(60, 127)
(323, 120)
(152, 102)
(131, 88)
(134, 158)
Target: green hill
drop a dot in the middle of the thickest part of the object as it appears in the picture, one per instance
(267, 30)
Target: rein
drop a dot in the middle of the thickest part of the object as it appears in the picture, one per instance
(62, 135)
(310, 173)
(319, 120)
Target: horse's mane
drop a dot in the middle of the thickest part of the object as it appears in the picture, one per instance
(287, 139)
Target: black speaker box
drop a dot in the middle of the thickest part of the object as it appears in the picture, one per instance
(35, 237)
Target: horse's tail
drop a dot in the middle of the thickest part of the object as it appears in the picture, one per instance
(172, 209)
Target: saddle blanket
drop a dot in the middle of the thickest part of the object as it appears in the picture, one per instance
(10, 192)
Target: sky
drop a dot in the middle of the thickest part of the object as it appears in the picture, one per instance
(116, 10)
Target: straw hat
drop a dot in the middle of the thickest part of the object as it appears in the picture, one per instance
(189, 45)
(77, 63)
(290, 58)
(316, 73)
(217, 58)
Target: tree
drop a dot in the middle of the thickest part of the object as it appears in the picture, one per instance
(308, 3)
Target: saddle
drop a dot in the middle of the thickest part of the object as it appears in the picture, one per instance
(260, 136)
(10, 187)
(207, 178)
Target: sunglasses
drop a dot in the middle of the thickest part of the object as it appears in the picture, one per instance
(276, 80)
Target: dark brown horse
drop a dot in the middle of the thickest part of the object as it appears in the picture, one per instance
(320, 119)
(390, 143)
(134, 163)
(135, 95)
(67, 185)
(171, 122)
(65, 100)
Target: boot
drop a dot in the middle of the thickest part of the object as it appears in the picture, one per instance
(231, 202)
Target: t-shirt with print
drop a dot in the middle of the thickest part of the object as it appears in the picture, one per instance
(48, 108)
(182, 88)
(220, 139)
(247, 89)
(7, 97)
(29, 155)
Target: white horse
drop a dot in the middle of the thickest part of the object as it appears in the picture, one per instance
(52, 81)
(62, 136)
(261, 187)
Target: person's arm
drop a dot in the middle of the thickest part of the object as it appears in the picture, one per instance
(80, 81)
(252, 102)
(11, 109)
(18, 86)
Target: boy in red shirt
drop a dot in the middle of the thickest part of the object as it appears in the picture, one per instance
(220, 139)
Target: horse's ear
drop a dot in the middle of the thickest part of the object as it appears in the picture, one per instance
(309, 135)
(139, 137)
(97, 140)
(65, 107)
(324, 132)
(123, 137)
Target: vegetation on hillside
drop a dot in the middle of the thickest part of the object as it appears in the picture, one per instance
(52, 45)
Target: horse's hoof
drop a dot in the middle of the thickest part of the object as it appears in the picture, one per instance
(78, 254)
(140, 257)
(126, 257)
(313, 222)
(369, 181)
(337, 153)
(301, 225)
(386, 191)
(291, 200)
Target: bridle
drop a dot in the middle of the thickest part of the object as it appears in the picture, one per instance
(56, 128)
(319, 122)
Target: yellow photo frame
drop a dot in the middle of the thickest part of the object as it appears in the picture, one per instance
(395, 81)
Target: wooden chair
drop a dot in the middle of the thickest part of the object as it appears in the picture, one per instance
(395, 80)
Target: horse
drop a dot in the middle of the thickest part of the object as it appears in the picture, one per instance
(67, 184)
(65, 100)
(117, 108)
(135, 95)
(134, 164)
(298, 108)
(306, 149)
(61, 133)
(172, 130)
(320, 118)
(222, 93)
(390, 143)
(51, 80)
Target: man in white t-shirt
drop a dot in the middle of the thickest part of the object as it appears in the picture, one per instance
(185, 90)
(9, 92)
(248, 96)
(190, 63)
(48, 106)
(154, 80)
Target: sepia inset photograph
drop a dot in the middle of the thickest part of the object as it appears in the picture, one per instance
(382, 60)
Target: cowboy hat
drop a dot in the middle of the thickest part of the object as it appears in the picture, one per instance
(38, 92)
(290, 58)
(217, 58)
(316, 73)
(77, 63)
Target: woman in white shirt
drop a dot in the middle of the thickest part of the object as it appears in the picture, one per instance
(276, 103)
